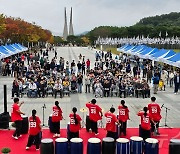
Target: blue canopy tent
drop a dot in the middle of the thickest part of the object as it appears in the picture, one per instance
(4, 52)
(144, 52)
(158, 54)
(19, 47)
(11, 49)
(8, 50)
(131, 49)
(175, 58)
(139, 50)
(124, 46)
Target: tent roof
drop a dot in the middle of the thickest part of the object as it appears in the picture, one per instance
(159, 53)
(175, 58)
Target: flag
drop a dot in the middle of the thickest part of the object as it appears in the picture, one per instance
(160, 34)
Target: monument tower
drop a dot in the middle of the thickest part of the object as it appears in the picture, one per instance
(65, 32)
(71, 31)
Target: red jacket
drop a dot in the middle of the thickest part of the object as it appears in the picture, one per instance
(73, 127)
(155, 110)
(145, 121)
(57, 114)
(94, 112)
(110, 121)
(34, 126)
(15, 115)
(123, 113)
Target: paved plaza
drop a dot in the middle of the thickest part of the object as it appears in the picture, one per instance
(78, 100)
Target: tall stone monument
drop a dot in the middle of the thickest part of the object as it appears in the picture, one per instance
(71, 31)
(65, 32)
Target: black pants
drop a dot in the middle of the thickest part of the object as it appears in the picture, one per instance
(56, 91)
(83, 71)
(18, 124)
(73, 135)
(123, 127)
(94, 126)
(88, 88)
(122, 91)
(147, 93)
(15, 92)
(112, 135)
(153, 127)
(56, 127)
(106, 93)
(34, 139)
(176, 87)
(137, 93)
(145, 134)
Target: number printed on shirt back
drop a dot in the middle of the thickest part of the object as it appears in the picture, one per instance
(154, 110)
(32, 124)
(122, 112)
(93, 110)
(146, 119)
(55, 113)
(72, 121)
(108, 120)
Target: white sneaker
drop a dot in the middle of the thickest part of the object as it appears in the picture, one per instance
(27, 148)
(97, 134)
(15, 137)
(58, 135)
(37, 149)
(54, 135)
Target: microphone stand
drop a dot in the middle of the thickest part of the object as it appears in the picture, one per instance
(43, 107)
(165, 124)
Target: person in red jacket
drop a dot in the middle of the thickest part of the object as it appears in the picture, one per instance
(88, 64)
(155, 112)
(111, 122)
(145, 123)
(56, 118)
(16, 117)
(95, 114)
(123, 117)
(75, 124)
(34, 131)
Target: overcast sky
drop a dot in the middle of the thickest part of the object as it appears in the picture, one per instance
(87, 14)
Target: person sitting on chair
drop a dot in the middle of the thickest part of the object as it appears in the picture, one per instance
(58, 88)
(32, 88)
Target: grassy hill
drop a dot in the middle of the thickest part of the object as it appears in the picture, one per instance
(171, 19)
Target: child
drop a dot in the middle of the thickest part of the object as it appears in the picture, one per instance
(161, 84)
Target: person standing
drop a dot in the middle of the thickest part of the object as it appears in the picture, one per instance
(16, 117)
(145, 123)
(75, 124)
(176, 82)
(155, 80)
(123, 117)
(34, 131)
(155, 112)
(111, 122)
(83, 67)
(87, 83)
(56, 118)
(95, 114)
(79, 82)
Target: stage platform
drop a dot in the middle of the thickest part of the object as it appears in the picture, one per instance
(18, 146)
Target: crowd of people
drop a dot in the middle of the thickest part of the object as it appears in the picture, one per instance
(150, 119)
(38, 76)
